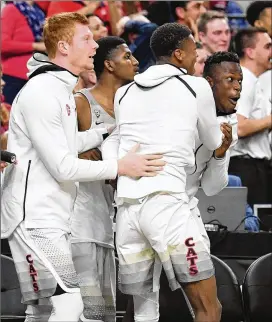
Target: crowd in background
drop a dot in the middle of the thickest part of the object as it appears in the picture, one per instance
(216, 25)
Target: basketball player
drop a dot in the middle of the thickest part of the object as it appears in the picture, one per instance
(39, 191)
(162, 110)
(91, 225)
(223, 72)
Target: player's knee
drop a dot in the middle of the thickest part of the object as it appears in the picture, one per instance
(66, 307)
(146, 307)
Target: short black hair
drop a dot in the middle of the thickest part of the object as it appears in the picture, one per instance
(255, 9)
(246, 38)
(167, 38)
(158, 12)
(107, 45)
(177, 4)
(218, 58)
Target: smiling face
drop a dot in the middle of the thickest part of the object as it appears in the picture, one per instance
(226, 84)
(186, 55)
(81, 50)
(217, 36)
(124, 64)
(262, 52)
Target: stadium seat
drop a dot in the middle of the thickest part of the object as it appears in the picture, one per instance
(173, 306)
(11, 306)
(257, 290)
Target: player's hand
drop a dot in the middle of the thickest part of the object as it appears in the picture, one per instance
(90, 6)
(93, 155)
(3, 165)
(138, 165)
(113, 183)
(227, 139)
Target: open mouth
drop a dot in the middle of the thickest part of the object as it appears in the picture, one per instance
(234, 100)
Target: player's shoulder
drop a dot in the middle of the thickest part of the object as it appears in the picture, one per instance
(42, 84)
(197, 81)
(199, 84)
(40, 88)
(123, 90)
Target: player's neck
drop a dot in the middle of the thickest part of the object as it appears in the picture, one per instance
(108, 85)
(64, 63)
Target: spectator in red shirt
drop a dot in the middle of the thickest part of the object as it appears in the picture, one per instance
(83, 7)
(22, 24)
(44, 5)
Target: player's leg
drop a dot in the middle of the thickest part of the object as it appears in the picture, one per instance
(209, 303)
(203, 298)
(184, 253)
(46, 256)
(108, 283)
(139, 267)
(91, 261)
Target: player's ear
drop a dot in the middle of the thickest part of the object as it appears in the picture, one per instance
(210, 81)
(109, 65)
(179, 54)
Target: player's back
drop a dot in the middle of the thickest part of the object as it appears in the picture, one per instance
(159, 111)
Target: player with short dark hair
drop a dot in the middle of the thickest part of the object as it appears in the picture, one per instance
(91, 225)
(171, 37)
(223, 72)
(162, 109)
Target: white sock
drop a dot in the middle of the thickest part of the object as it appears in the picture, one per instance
(66, 307)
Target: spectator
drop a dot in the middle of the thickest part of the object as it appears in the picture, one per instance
(137, 33)
(109, 12)
(250, 157)
(259, 14)
(97, 27)
(266, 86)
(158, 12)
(233, 9)
(44, 5)
(214, 32)
(187, 13)
(200, 60)
(22, 24)
(83, 7)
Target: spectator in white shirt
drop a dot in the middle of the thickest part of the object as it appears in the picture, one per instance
(251, 155)
(214, 32)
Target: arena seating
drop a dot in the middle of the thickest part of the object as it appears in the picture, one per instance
(11, 306)
(257, 290)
